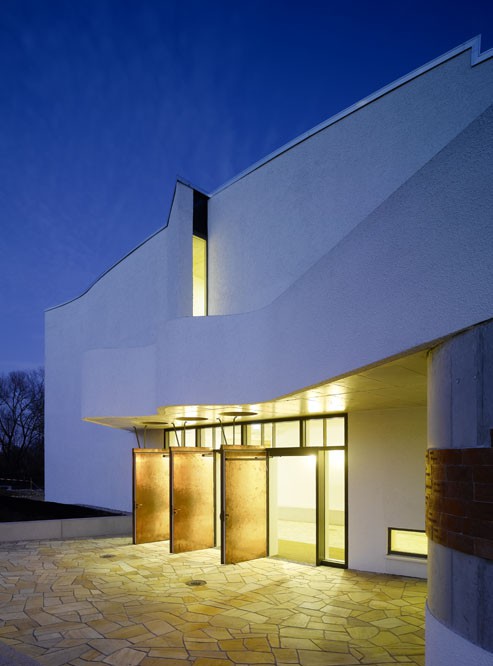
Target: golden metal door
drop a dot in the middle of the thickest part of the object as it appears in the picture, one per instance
(192, 499)
(151, 495)
(244, 504)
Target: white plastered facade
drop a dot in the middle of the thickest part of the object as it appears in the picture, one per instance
(365, 240)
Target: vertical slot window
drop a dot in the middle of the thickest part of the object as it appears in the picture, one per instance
(199, 256)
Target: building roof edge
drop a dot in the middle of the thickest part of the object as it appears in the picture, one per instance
(476, 57)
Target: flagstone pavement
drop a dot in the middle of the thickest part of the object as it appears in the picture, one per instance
(107, 601)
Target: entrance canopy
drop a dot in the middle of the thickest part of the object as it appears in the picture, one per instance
(398, 383)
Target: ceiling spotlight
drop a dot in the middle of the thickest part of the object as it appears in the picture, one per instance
(238, 413)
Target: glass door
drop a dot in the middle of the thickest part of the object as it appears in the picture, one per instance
(293, 507)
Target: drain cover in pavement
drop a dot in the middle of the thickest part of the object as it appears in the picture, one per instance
(194, 583)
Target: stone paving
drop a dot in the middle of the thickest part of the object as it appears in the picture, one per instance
(108, 601)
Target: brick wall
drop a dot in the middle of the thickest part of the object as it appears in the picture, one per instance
(459, 499)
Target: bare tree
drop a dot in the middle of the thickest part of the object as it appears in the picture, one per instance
(22, 423)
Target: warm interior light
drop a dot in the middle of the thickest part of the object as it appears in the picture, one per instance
(408, 542)
(309, 462)
(199, 258)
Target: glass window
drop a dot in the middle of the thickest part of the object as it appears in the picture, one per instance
(335, 431)
(172, 438)
(232, 435)
(267, 434)
(335, 506)
(254, 434)
(407, 542)
(209, 437)
(259, 434)
(188, 437)
(286, 434)
(199, 258)
(315, 432)
(325, 431)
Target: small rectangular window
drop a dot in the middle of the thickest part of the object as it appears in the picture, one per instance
(188, 437)
(209, 437)
(325, 431)
(287, 434)
(412, 543)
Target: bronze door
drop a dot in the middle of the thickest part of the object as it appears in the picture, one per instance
(151, 495)
(244, 504)
(192, 499)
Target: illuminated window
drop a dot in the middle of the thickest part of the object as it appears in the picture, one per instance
(287, 434)
(199, 254)
(407, 542)
(325, 432)
(188, 437)
(199, 277)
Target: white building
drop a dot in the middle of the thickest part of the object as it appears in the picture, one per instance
(331, 305)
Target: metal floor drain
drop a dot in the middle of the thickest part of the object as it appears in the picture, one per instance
(196, 583)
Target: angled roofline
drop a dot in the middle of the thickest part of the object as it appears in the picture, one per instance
(473, 44)
(180, 181)
(476, 57)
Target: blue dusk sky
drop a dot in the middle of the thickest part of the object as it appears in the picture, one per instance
(103, 103)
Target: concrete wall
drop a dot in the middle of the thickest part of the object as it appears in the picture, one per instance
(68, 528)
(444, 647)
(386, 456)
(460, 418)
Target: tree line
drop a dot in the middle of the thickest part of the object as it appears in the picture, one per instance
(22, 426)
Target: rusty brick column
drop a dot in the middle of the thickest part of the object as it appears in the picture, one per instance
(459, 513)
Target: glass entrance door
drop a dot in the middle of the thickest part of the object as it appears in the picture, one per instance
(192, 499)
(151, 495)
(243, 504)
(293, 508)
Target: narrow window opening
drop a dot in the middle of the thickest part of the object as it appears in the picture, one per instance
(199, 277)
(199, 255)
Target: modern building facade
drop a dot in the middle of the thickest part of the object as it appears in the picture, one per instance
(311, 328)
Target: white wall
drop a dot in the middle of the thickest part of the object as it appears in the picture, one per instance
(386, 484)
(268, 228)
(86, 463)
(129, 342)
(417, 269)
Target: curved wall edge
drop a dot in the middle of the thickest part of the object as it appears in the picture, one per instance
(446, 648)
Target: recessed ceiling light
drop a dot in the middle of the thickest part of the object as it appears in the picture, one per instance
(157, 424)
(238, 413)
